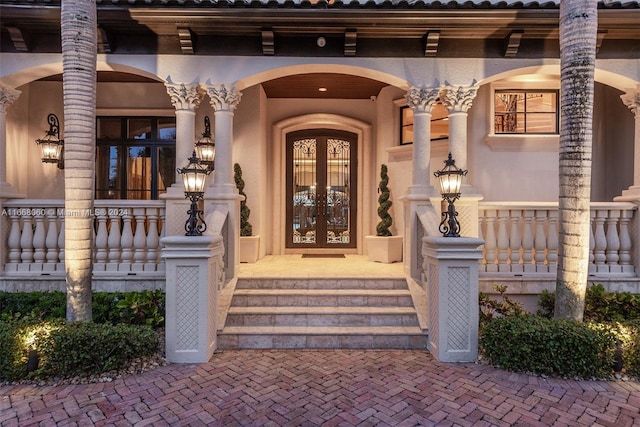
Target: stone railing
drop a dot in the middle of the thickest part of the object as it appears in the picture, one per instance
(126, 240)
(522, 238)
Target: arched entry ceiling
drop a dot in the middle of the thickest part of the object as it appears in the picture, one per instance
(323, 86)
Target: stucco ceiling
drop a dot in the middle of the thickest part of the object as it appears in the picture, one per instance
(338, 86)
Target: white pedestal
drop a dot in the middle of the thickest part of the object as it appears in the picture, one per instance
(192, 296)
(451, 271)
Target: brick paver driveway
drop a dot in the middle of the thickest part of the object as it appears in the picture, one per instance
(328, 388)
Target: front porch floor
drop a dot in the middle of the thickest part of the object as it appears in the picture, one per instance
(295, 266)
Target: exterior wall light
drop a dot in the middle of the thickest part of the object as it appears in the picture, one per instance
(194, 177)
(450, 178)
(206, 146)
(51, 145)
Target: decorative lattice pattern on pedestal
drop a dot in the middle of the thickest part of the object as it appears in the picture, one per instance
(211, 307)
(432, 286)
(187, 307)
(458, 303)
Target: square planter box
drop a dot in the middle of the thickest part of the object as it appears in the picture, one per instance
(384, 249)
(249, 248)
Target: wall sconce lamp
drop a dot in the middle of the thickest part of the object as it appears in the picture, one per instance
(194, 176)
(206, 146)
(51, 145)
(450, 178)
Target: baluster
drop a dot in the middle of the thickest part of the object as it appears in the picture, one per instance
(14, 241)
(52, 240)
(601, 241)
(26, 241)
(592, 243)
(540, 242)
(613, 241)
(60, 266)
(102, 236)
(126, 240)
(490, 242)
(113, 241)
(483, 261)
(625, 241)
(163, 231)
(515, 241)
(39, 237)
(153, 239)
(527, 241)
(139, 240)
(503, 240)
(552, 241)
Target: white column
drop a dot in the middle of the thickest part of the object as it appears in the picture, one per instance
(7, 97)
(224, 100)
(185, 98)
(421, 101)
(221, 199)
(451, 269)
(419, 212)
(192, 264)
(458, 100)
(632, 100)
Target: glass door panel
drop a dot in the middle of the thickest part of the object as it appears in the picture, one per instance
(320, 167)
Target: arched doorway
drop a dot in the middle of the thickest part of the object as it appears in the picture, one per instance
(321, 190)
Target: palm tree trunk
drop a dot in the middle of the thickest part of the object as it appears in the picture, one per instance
(79, 51)
(578, 32)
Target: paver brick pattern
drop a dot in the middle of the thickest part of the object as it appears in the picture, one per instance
(325, 388)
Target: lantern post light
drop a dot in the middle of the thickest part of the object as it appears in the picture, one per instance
(51, 145)
(450, 178)
(194, 176)
(205, 148)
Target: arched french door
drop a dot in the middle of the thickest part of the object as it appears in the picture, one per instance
(321, 189)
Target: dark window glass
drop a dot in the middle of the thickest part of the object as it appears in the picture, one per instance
(140, 166)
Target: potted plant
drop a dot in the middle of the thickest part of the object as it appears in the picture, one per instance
(384, 247)
(249, 244)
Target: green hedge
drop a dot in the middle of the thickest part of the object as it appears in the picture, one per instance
(133, 308)
(70, 350)
(600, 305)
(547, 346)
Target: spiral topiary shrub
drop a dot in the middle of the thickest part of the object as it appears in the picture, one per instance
(246, 229)
(384, 204)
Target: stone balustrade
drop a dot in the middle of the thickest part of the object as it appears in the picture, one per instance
(126, 240)
(522, 238)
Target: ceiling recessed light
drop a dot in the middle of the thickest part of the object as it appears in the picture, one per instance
(322, 89)
(322, 42)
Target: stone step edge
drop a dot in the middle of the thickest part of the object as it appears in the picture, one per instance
(322, 330)
(322, 292)
(319, 310)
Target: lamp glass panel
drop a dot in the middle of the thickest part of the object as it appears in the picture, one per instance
(450, 183)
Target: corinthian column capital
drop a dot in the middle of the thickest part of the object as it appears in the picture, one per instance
(7, 97)
(224, 96)
(422, 99)
(459, 99)
(183, 96)
(632, 100)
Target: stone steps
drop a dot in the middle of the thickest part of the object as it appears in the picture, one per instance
(321, 313)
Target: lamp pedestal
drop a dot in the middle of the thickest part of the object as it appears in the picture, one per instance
(192, 264)
(451, 267)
